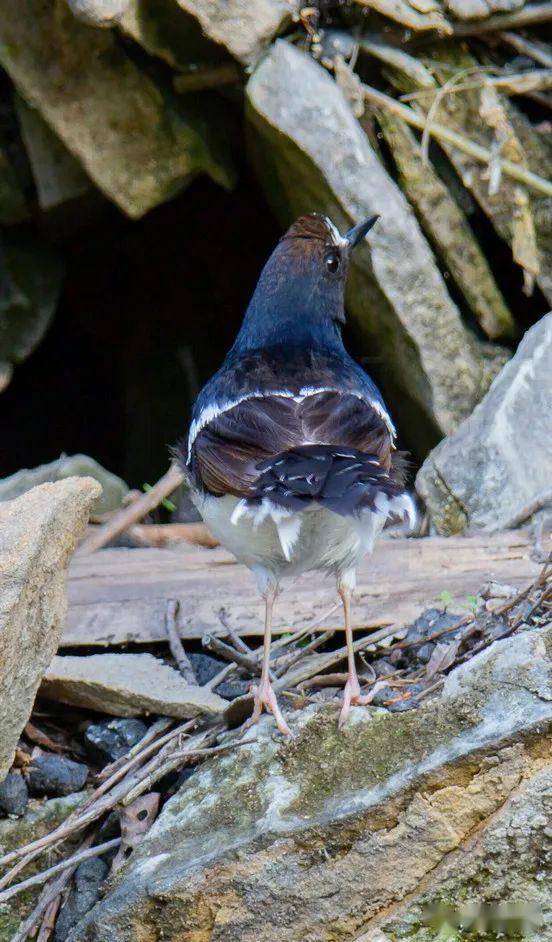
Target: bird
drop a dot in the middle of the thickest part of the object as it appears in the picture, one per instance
(291, 453)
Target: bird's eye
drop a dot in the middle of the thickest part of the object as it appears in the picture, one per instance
(332, 262)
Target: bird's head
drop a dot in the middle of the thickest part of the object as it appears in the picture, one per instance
(300, 294)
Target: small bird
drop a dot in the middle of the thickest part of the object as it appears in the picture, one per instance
(290, 453)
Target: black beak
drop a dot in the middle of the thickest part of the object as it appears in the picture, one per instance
(357, 233)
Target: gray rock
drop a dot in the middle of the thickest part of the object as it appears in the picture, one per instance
(127, 685)
(103, 13)
(245, 27)
(13, 205)
(88, 880)
(137, 143)
(489, 474)
(14, 794)
(333, 832)
(114, 489)
(58, 177)
(38, 533)
(320, 159)
(31, 282)
(165, 30)
(55, 776)
(111, 739)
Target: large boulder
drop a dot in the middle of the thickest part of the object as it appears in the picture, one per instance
(134, 140)
(113, 488)
(319, 158)
(491, 473)
(332, 832)
(38, 533)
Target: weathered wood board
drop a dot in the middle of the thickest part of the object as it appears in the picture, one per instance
(119, 596)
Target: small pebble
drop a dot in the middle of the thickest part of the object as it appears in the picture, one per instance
(14, 794)
(382, 667)
(55, 776)
(88, 879)
(111, 739)
(425, 651)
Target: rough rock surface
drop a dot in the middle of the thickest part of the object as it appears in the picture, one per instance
(396, 296)
(127, 685)
(492, 469)
(332, 834)
(245, 27)
(136, 145)
(88, 880)
(110, 739)
(56, 776)
(98, 12)
(58, 177)
(14, 794)
(38, 533)
(114, 489)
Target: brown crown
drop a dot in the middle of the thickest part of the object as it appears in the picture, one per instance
(313, 226)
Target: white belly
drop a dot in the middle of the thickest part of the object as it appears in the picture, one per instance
(325, 540)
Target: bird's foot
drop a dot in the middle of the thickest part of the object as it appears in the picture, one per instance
(353, 697)
(265, 697)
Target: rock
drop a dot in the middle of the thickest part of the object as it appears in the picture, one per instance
(31, 280)
(333, 833)
(111, 739)
(113, 493)
(489, 473)
(14, 794)
(58, 177)
(88, 880)
(137, 143)
(126, 685)
(396, 299)
(165, 30)
(103, 13)
(38, 533)
(206, 667)
(245, 27)
(40, 818)
(55, 776)
(13, 205)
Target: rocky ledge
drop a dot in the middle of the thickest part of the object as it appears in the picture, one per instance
(353, 835)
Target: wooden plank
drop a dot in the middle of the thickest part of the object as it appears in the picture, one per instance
(119, 596)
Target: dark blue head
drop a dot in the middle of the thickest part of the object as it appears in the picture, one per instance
(299, 299)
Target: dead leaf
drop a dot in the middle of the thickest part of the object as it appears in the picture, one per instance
(135, 821)
(444, 655)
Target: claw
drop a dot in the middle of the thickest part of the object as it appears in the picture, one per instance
(265, 697)
(353, 697)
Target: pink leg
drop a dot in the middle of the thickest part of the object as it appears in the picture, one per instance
(352, 694)
(263, 692)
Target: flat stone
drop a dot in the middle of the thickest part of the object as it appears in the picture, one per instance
(328, 834)
(38, 533)
(398, 304)
(137, 143)
(245, 27)
(113, 493)
(58, 176)
(127, 685)
(499, 460)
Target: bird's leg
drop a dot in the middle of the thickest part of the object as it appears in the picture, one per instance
(263, 692)
(352, 694)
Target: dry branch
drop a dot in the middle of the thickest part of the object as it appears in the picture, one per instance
(443, 133)
(126, 517)
(177, 648)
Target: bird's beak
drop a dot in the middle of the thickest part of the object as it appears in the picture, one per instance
(357, 233)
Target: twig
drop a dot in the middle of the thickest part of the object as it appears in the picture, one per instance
(48, 895)
(303, 652)
(231, 654)
(520, 83)
(38, 878)
(122, 520)
(443, 133)
(163, 534)
(49, 920)
(177, 648)
(155, 730)
(527, 48)
(238, 642)
(530, 14)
